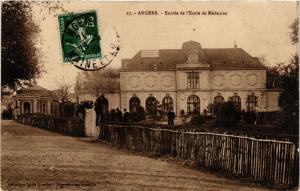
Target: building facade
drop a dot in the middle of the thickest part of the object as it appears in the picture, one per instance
(189, 79)
(35, 99)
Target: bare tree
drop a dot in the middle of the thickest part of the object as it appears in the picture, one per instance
(63, 93)
(99, 82)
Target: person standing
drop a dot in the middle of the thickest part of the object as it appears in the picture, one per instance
(125, 116)
(99, 109)
(171, 116)
(118, 115)
(112, 115)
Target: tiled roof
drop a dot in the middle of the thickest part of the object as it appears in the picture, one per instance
(35, 90)
(35, 87)
(221, 58)
(168, 59)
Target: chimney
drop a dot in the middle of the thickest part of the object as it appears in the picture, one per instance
(235, 46)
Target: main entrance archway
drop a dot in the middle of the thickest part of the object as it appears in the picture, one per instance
(151, 105)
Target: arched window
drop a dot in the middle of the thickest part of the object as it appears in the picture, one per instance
(193, 104)
(27, 107)
(134, 103)
(251, 103)
(167, 104)
(151, 105)
(236, 102)
(218, 99)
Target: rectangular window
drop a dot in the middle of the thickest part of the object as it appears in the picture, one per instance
(193, 80)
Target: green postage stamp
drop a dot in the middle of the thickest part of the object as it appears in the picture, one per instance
(79, 36)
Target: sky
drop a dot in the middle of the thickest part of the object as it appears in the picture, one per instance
(260, 28)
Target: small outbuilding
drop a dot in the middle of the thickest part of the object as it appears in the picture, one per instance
(35, 100)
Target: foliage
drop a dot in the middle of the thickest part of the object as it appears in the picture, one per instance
(19, 56)
(227, 115)
(294, 31)
(68, 109)
(210, 108)
(99, 82)
(273, 78)
(197, 120)
(249, 117)
(289, 96)
(139, 115)
(80, 108)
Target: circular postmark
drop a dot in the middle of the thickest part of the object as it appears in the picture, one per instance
(80, 41)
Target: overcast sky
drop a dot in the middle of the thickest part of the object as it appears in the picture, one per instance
(260, 28)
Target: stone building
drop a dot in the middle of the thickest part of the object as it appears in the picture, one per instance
(35, 99)
(190, 78)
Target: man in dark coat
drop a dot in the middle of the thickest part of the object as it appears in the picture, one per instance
(171, 116)
(119, 115)
(112, 115)
(126, 116)
(99, 109)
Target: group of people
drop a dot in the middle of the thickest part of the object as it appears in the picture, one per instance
(116, 115)
(6, 114)
(102, 115)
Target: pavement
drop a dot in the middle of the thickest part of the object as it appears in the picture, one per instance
(37, 159)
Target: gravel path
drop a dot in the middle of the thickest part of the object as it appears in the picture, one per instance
(36, 159)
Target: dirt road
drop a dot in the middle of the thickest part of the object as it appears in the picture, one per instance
(36, 159)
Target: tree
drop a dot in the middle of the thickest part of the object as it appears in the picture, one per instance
(273, 77)
(289, 96)
(227, 115)
(294, 31)
(99, 82)
(63, 94)
(19, 57)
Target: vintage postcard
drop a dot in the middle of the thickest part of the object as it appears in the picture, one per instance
(193, 95)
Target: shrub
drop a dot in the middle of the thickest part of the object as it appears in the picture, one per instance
(227, 115)
(249, 117)
(289, 124)
(139, 115)
(197, 120)
(210, 108)
(69, 110)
